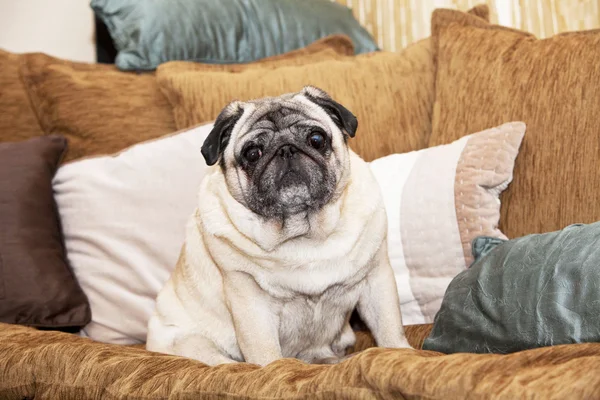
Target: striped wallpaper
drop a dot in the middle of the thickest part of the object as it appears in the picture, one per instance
(397, 23)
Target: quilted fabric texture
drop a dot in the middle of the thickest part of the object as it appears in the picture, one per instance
(102, 110)
(437, 201)
(535, 291)
(149, 33)
(123, 253)
(487, 75)
(391, 94)
(52, 365)
(17, 119)
(37, 286)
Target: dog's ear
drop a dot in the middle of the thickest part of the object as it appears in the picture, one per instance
(342, 117)
(218, 138)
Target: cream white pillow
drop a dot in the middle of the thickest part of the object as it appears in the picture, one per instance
(438, 200)
(123, 218)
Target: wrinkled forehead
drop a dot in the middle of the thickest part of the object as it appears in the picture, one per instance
(278, 114)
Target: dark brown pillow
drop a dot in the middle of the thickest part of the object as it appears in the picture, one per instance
(37, 287)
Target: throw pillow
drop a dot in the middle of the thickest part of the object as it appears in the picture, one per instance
(124, 220)
(102, 110)
(148, 33)
(392, 94)
(96, 107)
(488, 74)
(438, 200)
(392, 106)
(534, 291)
(37, 286)
(17, 120)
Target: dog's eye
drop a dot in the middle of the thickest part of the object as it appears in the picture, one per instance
(316, 140)
(252, 154)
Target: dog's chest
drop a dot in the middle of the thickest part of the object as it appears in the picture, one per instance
(312, 322)
(314, 280)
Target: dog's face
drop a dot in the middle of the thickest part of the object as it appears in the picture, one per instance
(283, 155)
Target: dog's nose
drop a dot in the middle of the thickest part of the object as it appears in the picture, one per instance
(287, 151)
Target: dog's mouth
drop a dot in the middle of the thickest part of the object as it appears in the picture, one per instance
(289, 178)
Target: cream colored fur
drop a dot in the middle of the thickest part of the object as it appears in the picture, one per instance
(246, 289)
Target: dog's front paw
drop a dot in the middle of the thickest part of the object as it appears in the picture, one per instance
(333, 360)
(327, 360)
(394, 342)
(402, 344)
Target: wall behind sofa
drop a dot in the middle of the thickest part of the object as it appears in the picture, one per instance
(62, 28)
(65, 28)
(398, 23)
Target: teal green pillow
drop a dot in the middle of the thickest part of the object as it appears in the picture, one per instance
(147, 33)
(535, 291)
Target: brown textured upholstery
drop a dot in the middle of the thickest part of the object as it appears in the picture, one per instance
(392, 106)
(391, 94)
(99, 109)
(52, 365)
(17, 119)
(102, 110)
(487, 75)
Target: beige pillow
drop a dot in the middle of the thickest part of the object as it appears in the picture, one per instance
(437, 201)
(123, 218)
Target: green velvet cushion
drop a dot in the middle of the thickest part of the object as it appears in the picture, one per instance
(538, 290)
(150, 32)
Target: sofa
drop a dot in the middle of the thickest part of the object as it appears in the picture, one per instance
(468, 76)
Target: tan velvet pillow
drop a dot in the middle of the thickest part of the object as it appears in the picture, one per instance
(17, 119)
(390, 93)
(102, 110)
(392, 106)
(488, 75)
(96, 107)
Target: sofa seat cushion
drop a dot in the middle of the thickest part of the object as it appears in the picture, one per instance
(57, 365)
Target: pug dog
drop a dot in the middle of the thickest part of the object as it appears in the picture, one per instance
(289, 237)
